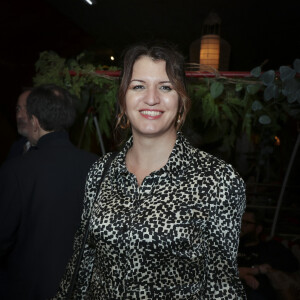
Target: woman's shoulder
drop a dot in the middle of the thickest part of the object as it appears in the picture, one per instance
(214, 165)
(208, 160)
(99, 165)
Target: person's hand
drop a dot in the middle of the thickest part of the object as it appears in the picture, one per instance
(247, 275)
(264, 268)
(251, 281)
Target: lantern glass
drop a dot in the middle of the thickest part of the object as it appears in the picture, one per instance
(210, 50)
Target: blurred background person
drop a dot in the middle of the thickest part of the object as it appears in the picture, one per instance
(22, 145)
(260, 261)
(41, 195)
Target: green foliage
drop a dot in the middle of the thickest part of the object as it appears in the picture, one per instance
(252, 89)
(216, 89)
(267, 78)
(255, 72)
(222, 108)
(96, 93)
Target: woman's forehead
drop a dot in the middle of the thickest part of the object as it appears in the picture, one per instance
(145, 66)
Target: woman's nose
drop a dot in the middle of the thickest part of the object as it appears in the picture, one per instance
(152, 96)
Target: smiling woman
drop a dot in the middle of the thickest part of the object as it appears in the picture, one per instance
(151, 102)
(170, 71)
(165, 223)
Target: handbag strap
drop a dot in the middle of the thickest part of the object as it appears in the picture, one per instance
(74, 276)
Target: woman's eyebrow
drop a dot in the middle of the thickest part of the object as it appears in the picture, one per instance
(139, 80)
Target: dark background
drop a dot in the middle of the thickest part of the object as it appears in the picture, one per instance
(256, 30)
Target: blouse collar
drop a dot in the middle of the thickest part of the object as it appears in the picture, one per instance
(179, 159)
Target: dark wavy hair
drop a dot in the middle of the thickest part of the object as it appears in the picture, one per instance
(174, 69)
(53, 106)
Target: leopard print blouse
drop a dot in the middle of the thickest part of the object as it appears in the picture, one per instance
(173, 237)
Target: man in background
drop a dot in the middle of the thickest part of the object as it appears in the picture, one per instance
(22, 145)
(41, 197)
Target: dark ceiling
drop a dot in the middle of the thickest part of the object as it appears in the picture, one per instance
(256, 30)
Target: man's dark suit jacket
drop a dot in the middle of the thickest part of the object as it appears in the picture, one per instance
(41, 196)
(17, 148)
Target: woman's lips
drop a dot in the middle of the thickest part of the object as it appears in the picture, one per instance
(151, 114)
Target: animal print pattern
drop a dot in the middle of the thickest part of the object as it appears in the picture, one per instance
(174, 237)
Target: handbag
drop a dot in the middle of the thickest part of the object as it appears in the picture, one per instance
(86, 231)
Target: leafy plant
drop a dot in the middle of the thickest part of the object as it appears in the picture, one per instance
(223, 108)
(96, 93)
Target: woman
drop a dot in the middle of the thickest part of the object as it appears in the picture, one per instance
(166, 222)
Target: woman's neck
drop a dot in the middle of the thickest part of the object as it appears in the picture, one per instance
(148, 154)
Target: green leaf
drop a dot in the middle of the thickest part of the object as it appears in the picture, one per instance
(264, 120)
(208, 109)
(290, 87)
(72, 64)
(247, 124)
(268, 77)
(256, 105)
(286, 73)
(256, 72)
(235, 101)
(270, 92)
(228, 113)
(296, 65)
(216, 89)
(238, 87)
(292, 98)
(252, 89)
(80, 56)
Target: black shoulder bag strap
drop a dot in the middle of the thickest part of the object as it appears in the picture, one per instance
(86, 231)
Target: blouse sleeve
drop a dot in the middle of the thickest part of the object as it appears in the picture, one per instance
(227, 207)
(87, 261)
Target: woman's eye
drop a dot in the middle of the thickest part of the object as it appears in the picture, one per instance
(166, 88)
(137, 87)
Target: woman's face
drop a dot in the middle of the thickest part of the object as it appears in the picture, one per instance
(151, 101)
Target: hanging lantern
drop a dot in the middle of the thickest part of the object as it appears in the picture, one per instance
(210, 50)
(210, 42)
